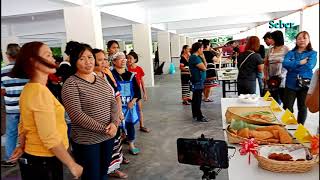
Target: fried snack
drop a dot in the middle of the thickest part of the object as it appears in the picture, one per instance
(272, 140)
(262, 135)
(300, 160)
(244, 132)
(276, 134)
(233, 131)
(260, 117)
(268, 128)
(280, 157)
(285, 138)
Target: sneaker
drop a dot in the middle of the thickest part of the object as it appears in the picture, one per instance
(8, 164)
(203, 119)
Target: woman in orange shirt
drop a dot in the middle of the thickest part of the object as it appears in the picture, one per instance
(42, 129)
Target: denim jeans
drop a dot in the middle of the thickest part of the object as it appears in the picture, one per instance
(37, 167)
(12, 121)
(196, 104)
(94, 158)
(291, 95)
(130, 131)
(260, 82)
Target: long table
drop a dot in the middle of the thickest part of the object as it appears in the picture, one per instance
(239, 168)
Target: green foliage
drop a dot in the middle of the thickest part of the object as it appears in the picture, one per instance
(291, 33)
(56, 51)
(221, 40)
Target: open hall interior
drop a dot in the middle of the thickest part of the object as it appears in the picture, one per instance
(157, 31)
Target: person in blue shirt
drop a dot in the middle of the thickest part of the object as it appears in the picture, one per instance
(299, 62)
(197, 66)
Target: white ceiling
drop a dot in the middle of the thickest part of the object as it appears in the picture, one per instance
(43, 19)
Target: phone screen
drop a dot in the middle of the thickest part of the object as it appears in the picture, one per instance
(212, 153)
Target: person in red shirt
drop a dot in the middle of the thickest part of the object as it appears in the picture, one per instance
(132, 58)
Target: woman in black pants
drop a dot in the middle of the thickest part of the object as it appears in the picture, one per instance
(249, 64)
(197, 65)
(299, 62)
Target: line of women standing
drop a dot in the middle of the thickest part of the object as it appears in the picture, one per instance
(286, 74)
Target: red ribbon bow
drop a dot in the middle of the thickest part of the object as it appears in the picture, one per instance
(315, 144)
(249, 146)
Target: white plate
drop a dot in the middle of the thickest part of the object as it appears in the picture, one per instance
(249, 98)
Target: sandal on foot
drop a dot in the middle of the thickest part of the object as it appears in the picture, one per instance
(125, 160)
(119, 174)
(134, 151)
(185, 103)
(144, 129)
(208, 100)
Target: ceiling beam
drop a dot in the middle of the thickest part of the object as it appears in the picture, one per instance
(102, 3)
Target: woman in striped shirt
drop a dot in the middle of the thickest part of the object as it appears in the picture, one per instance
(91, 105)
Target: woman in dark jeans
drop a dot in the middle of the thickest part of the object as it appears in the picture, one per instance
(299, 62)
(91, 105)
(197, 65)
(249, 64)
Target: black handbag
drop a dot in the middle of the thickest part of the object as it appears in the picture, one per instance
(274, 82)
(303, 82)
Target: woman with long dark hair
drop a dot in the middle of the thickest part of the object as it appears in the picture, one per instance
(211, 72)
(185, 74)
(299, 62)
(274, 73)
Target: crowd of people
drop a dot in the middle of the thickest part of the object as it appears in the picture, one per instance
(76, 112)
(80, 111)
(285, 73)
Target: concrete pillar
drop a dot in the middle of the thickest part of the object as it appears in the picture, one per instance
(175, 45)
(194, 40)
(310, 23)
(105, 45)
(301, 21)
(142, 45)
(83, 24)
(189, 41)
(122, 45)
(4, 43)
(164, 50)
(182, 41)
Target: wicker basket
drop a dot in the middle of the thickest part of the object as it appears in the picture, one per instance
(286, 166)
(230, 114)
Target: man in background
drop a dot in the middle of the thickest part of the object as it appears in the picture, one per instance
(11, 89)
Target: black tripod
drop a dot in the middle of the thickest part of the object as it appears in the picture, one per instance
(208, 172)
